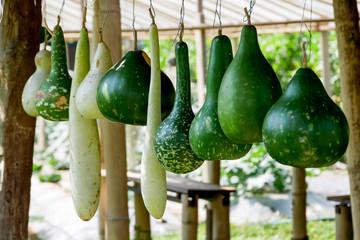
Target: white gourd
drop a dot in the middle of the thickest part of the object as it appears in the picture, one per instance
(86, 94)
(153, 177)
(85, 157)
(43, 67)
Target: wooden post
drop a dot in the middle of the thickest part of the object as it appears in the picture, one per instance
(221, 218)
(348, 37)
(117, 216)
(19, 42)
(299, 204)
(325, 61)
(41, 136)
(189, 217)
(344, 228)
(235, 45)
(142, 218)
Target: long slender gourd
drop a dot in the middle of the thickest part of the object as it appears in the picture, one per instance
(207, 139)
(86, 94)
(85, 159)
(43, 67)
(52, 98)
(172, 145)
(153, 177)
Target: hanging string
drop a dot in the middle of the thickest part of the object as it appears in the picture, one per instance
(308, 44)
(44, 16)
(105, 15)
(62, 7)
(252, 4)
(152, 9)
(218, 13)
(181, 23)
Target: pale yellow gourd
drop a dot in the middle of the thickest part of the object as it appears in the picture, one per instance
(85, 157)
(43, 67)
(86, 94)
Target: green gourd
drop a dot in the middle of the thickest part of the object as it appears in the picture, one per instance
(172, 145)
(207, 139)
(248, 89)
(85, 157)
(52, 98)
(153, 176)
(43, 67)
(305, 128)
(122, 94)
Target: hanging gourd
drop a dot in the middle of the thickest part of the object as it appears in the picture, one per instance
(153, 177)
(123, 92)
(86, 94)
(207, 139)
(52, 98)
(305, 128)
(43, 67)
(248, 89)
(172, 145)
(85, 157)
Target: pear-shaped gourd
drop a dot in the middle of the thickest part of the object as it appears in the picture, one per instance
(52, 98)
(85, 157)
(153, 177)
(86, 94)
(248, 89)
(207, 139)
(172, 145)
(43, 67)
(123, 92)
(305, 128)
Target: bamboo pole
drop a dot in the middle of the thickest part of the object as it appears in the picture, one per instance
(348, 37)
(343, 222)
(189, 217)
(117, 217)
(299, 204)
(142, 218)
(325, 61)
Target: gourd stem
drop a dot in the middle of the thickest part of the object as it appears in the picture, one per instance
(220, 31)
(58, 22)
(100, 35)
(152, 16)
(135, 40)
(304, 63)
(46, 40)
(181, 34)
(84, 17)
(47, 28)
(247, 16)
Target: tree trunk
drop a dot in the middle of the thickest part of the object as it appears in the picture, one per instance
(348, 36)
(19, 42)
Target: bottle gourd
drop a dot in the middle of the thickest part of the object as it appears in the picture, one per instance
(305, 128)
(153, 177)
(52, 98)
(207, 139)
(43, 67)
(85, 157)
(248, 89)
(172, 145)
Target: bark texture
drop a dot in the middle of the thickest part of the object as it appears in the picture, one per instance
(348, 36)
(19, 42)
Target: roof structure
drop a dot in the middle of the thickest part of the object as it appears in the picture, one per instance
(268, 16)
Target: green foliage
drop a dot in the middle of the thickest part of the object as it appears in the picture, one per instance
(54, 178)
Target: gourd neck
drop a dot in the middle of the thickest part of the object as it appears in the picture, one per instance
(58, 52)
(183, 90)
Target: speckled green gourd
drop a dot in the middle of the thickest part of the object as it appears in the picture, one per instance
(171, 142)
(248, 89)
(207, 139)
(305, 128)
(52, 98)
(123, 91)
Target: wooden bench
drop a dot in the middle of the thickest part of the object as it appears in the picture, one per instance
(343, 219)
(187, 192)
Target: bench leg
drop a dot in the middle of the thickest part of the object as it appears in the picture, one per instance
(221, 217)
(189, 216)
(343, 220)
(142, 218)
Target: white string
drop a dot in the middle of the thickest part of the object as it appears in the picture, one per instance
(181, 20)
(152, 9)
(252, 4)
(133, 22)
(218, 13)
(62, 7)
(105, 15)
(308, 44)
